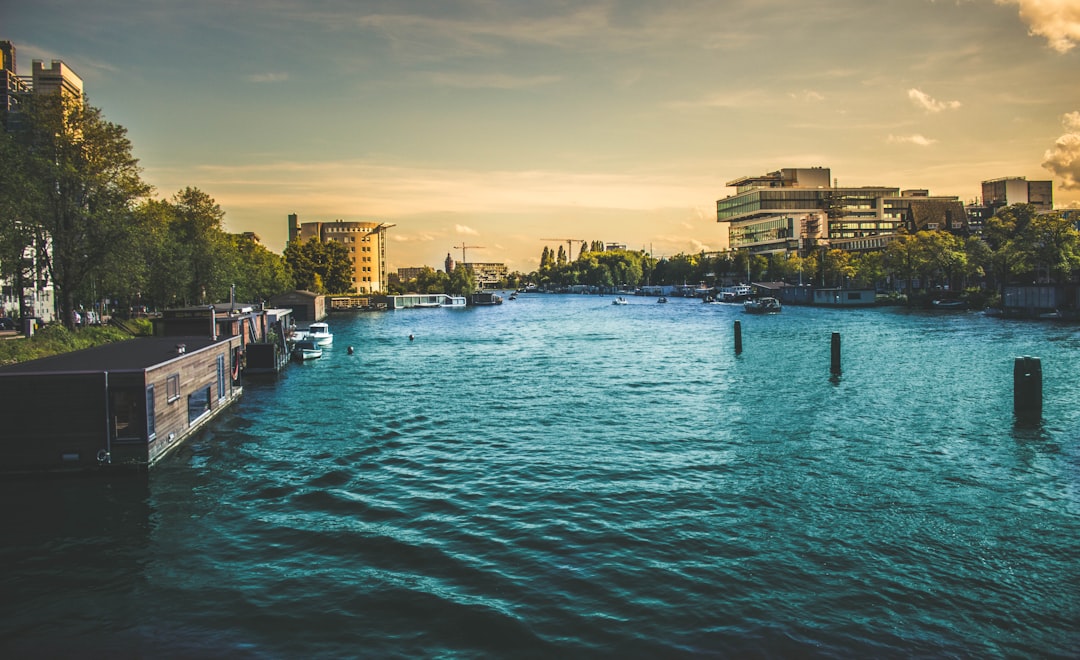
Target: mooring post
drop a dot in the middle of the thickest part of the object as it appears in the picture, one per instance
(738, 337)
(835, 353)
(1027, 388)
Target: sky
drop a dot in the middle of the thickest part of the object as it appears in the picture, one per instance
(507, 126)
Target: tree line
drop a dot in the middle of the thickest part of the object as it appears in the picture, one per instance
(1017, 244)
(71, 196)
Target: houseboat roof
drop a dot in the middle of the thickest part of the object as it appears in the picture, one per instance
(137, 354)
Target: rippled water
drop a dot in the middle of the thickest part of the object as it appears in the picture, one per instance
(559, 476)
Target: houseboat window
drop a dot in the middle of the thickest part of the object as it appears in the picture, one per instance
(172, 387)
(198, 404)
(220, 377)
(150, 424)
(124, 404)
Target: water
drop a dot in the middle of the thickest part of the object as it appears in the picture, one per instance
(560, 476)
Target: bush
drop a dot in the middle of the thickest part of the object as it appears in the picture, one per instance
(55, 339)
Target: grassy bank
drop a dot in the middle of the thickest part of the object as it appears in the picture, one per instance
(55, 339)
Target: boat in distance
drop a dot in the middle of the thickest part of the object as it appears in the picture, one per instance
(619, 301)
(762, 306)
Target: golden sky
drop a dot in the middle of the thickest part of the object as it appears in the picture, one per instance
(499, 124)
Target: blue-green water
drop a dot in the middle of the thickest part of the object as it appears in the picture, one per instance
(559, 476)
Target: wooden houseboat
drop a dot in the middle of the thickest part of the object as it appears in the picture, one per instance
(126, 404)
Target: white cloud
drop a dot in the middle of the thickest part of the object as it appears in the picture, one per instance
(915, 139)
(930, 104)
(1057, 21)
(808, 95)
(462, 229)
(268, 77)
(1064, 158)
(491, 81)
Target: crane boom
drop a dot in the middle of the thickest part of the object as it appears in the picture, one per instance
(569, 245)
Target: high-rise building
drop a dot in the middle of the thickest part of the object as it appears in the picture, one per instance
(366, 242)
(1018, 190)
(12, 87)
(794, 209)
(58, 78)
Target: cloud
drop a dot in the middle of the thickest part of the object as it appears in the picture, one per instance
(915, 139)
(268, 77)
(749, 98)
(930, 104)
(1058, 21)
(808, 95)
(1064, 158)
(462, 229)
(491, 81)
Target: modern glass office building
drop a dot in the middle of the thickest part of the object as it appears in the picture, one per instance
(796, 209)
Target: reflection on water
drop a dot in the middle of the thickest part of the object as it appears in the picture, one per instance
(563, 476)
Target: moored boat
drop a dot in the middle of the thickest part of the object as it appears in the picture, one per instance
(306, 349)
(320, 334)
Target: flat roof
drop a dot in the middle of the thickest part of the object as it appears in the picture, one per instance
(137, 354)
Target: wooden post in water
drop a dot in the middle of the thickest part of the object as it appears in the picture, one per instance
(738, 337)
(835, 353)
(1027, 388)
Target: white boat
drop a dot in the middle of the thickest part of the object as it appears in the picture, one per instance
(306, 349)
(762, 306)
(735, 293)
(320, 334)
(619, 301)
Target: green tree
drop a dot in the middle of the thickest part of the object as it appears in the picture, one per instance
(18, 200)
(319, 267)
(88, 184)
(258, 273)
(903, 260)
(462, 282)
(1051, 244)
(199, 223)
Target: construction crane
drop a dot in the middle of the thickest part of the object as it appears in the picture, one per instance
(463, 247)
(569, 245)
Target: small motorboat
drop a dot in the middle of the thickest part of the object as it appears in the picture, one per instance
(949, 304)
(320, 334)
(306, 349)
(762, 306)
(661, 299)
(619, 301)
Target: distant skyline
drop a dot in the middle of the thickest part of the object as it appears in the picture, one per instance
(499, 124)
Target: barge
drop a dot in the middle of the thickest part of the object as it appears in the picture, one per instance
(121, 405)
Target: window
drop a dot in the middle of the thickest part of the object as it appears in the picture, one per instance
(198, 404)
(172, 388)
(221, 377)
(151, 429)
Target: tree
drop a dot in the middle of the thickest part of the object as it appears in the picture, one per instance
(462, 282)
(319, 267)
(18, 199)
(198, 221)
(1051, 243)
(88, 183)
(902, 259)
(258, 273)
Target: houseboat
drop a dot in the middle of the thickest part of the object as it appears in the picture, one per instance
(126, 404)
